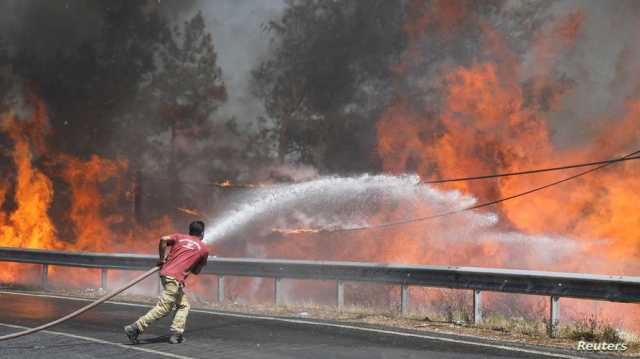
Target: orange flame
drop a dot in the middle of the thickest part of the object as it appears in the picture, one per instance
(228, 184)
(96, 185)
(224, 184)
(29, 224)
(189, 211)
(489, 121)
(287, 231)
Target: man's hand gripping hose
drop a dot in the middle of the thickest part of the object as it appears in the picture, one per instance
(83, 309)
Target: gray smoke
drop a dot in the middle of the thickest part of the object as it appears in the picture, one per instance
(602, 67)
(237, 27)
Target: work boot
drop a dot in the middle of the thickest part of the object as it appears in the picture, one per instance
(176, 338)
(132, 332)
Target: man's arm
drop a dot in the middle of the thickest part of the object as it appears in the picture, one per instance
(198, 267)
(165, 241)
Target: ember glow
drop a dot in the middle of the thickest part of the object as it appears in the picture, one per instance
(189, 211)
(224, 184)
(287, 231)
(229, 184)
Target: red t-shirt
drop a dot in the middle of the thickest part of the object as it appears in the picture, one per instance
(186, 253)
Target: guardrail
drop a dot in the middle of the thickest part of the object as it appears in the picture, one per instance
(552, 284)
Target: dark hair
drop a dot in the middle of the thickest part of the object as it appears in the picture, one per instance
(196, 228)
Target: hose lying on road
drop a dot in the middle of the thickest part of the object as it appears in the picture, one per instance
(83, 309)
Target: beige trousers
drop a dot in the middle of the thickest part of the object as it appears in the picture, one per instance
(172, 295)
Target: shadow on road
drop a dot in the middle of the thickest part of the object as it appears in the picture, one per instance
(160, 339)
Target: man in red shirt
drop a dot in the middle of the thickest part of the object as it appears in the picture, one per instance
(188, 254)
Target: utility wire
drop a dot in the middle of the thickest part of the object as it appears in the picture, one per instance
(485, 204)
(588, 164)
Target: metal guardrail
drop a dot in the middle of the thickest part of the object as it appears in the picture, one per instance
(552, 284)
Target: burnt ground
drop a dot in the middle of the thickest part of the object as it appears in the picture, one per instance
(98, 334)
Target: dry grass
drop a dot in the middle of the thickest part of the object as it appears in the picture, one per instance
(592, 330)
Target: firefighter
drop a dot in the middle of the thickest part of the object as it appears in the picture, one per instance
(187, 254)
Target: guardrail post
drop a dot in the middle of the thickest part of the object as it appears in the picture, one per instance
(220, 289)
(554, 316)
(404, 299)
(277, 290)
(340, 294)
(103, 279)
(477, 306)
(44, 280)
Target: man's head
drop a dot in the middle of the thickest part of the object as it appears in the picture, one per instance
(196, 229)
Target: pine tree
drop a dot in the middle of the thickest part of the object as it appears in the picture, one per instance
(186, 90)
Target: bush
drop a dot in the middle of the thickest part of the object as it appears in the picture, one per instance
(593, 330)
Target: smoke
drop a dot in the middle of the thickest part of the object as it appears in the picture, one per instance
(601, 67)
(237, 29)
(239, 34)
(296, 221)
(47, 28)
(236, 147)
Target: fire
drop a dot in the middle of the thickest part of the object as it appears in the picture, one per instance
(189, 211)
(29, 224)
(87, 202)
(488, 114)
(228, 184)
(488, 120)
(224, 184)
(287, 231)
(489, 123)
(95, 187)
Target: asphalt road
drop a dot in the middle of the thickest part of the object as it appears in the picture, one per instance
(98, 334)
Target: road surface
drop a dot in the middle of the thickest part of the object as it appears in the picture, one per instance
(98, 334)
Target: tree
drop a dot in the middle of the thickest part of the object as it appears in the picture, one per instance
(5, 73)
(328, 76)
(86, 81)
(188, 88)
(181, 97)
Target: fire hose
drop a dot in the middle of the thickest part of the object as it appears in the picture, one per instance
(83, 309)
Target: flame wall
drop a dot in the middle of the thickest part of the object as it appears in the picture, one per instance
(482, 87)
(95, 185)
(490, 87)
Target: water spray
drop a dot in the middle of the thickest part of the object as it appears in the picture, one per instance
(283, 197)
(599, 165)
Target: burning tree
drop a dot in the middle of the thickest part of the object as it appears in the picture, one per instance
(68, 149)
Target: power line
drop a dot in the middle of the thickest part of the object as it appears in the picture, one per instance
(485, 204)
(587, 164)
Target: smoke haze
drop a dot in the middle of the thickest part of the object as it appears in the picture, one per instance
(128, 119)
